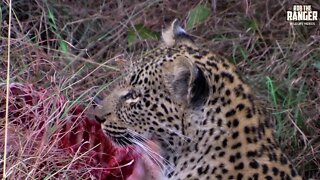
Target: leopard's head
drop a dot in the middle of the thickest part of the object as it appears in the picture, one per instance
(154, 99)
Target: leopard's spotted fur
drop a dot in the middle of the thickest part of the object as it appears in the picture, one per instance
(195, 104)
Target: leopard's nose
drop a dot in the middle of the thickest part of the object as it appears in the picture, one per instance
(99, 120)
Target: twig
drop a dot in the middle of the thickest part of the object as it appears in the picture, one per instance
(7, 98)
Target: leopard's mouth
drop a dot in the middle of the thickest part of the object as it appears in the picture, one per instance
(122, 138)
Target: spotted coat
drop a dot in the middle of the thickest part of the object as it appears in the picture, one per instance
(195, 104)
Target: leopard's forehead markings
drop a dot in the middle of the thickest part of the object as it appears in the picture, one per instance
(151, 65)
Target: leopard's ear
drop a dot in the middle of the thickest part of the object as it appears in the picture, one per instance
(175, 34)
(186, 82)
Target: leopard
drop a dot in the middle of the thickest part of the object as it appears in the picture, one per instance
(194, 103)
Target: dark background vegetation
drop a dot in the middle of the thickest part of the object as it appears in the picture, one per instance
(74, 47)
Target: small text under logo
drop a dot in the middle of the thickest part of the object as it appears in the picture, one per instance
(302, 15)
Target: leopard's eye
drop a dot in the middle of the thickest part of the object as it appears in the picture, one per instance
(131, 97)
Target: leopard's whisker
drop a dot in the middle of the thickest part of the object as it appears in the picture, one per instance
(143, 144)
(161, 162)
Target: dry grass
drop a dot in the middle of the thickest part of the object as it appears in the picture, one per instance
(69, 49)
(51, 138)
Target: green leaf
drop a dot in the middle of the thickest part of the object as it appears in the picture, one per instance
(252, 24)
(63, 47)
(317, 65)
(140, 31)
(52, 19)
(198, 15)
(131, 37)
(272, 90)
